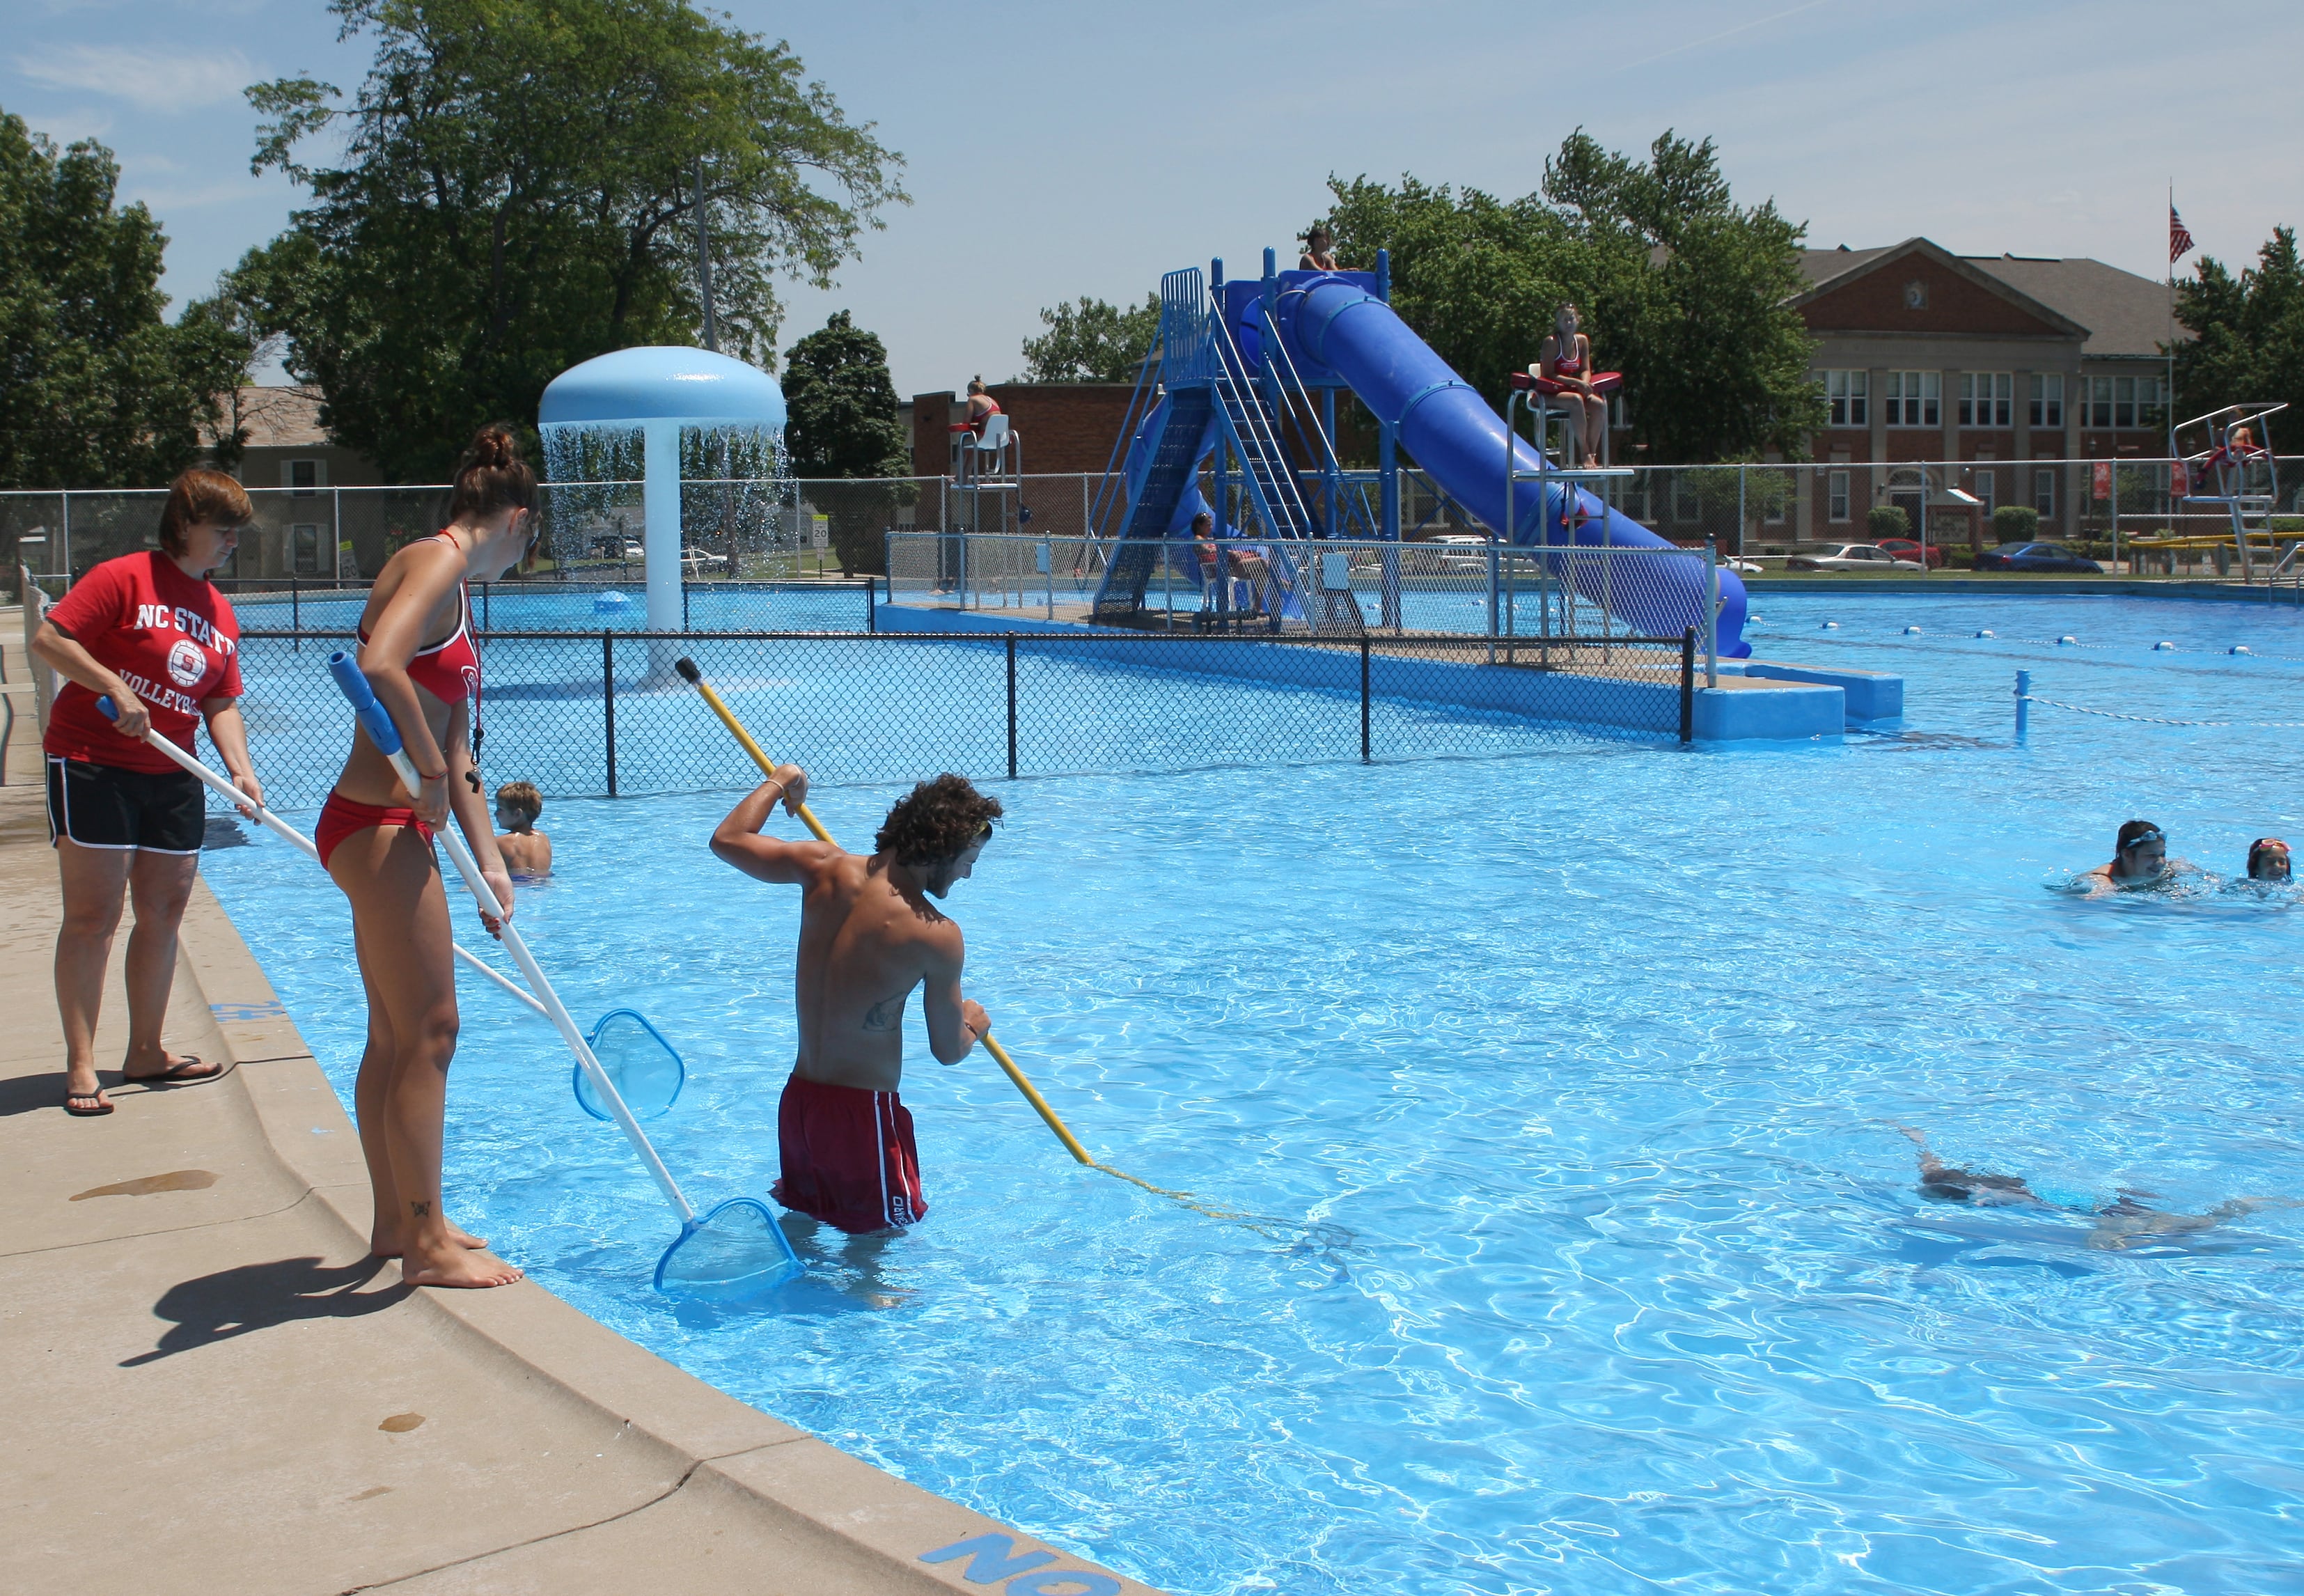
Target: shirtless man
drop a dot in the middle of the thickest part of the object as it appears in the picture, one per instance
(867, 935)
(527, 851)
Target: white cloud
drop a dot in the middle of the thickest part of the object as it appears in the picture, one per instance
(156, 79)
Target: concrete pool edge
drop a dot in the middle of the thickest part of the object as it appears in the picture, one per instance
(1800, 710)
(819, 1513)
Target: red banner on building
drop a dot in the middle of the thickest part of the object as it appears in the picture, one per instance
(2101, 475)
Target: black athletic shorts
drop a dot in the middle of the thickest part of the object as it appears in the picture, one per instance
(103, 806)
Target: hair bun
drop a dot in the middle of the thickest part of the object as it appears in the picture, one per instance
(494, 448)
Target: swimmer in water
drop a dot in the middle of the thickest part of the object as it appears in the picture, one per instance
(2139, 858)
(2122, 1223)
(2267, 860)
(527, 851)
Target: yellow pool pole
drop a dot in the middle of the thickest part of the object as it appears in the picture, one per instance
(689, 672)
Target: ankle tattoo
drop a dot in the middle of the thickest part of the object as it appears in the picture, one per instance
(419, 1209)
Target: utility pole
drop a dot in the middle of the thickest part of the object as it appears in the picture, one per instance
(704, 262)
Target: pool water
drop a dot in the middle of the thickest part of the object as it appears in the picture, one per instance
(1579, 1082)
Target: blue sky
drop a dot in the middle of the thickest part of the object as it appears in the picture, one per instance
(1060, 149)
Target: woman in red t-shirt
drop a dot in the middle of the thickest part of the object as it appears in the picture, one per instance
(375, 837)
(151, 631)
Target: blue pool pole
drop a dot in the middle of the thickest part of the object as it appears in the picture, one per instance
(2023, 703)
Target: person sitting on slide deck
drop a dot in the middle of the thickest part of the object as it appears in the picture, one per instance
(1319, 250)
(1245, 564)
(1566, 358)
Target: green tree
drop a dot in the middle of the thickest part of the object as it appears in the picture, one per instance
(2248, 334)
(1683, 290)
(1092, 342)
(842, 424)
(517, 193)
(96, 389)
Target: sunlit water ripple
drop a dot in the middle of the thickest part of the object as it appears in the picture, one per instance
(1580, 1074)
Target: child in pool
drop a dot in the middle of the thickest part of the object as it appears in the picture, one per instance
(527, 851)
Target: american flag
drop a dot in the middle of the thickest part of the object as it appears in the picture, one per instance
(2180, 241)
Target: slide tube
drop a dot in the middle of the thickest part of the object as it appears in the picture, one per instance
(1454, 436)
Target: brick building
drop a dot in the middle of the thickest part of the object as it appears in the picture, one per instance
(1993, 362)
(1063, 427)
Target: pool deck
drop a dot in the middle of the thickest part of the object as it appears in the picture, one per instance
(216, 1389)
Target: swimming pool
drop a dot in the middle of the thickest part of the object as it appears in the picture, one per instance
(1580, 1075)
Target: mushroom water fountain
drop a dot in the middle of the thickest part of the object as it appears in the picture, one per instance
(656, 408)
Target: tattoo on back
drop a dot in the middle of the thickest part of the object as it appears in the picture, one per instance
(887, 1015)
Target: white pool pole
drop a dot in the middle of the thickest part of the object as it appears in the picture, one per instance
(660, 507)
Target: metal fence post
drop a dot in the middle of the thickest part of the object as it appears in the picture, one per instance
(1688, 687)
(1012, 706)
(1365, 751)
(1712, 615)
(608, 700)
(871, 604)
(295, 615)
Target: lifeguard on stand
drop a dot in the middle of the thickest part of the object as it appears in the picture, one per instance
(1563, 381)
(985, 448)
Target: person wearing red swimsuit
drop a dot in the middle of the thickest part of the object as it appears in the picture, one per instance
(152, 634)
(1566, 360)
(375, 837)
(981, 408)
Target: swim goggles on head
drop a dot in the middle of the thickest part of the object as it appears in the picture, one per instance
(2142, 838)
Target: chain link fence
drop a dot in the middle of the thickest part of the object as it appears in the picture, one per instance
(1333, 586)
(584, 713)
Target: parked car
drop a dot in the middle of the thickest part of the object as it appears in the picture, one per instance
(1741, 567)
(2036, 557)
(1907, 549)
(1852, 556)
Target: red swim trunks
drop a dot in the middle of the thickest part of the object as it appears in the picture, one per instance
(848, 1157)
(340, 817)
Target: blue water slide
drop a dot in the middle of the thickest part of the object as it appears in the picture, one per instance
(1441, 419)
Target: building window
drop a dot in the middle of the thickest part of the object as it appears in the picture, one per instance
(1849, 394)
(304, 550)
(1835, 495)
(302, 477)
(1987, 398)
(2044, 494)
(2047, 406)
(1988, 489)
(1914, 398)
(2119, 401)
(1684, 506)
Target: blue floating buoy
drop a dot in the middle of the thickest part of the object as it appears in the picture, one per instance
(2164, 647)
(2241, 648)
(1912, 632)
(1829, 626)
(2067, 638)
(1983, 634)
(609, 602)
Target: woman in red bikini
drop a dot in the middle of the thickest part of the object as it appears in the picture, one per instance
(1566, 360)
(418, 652)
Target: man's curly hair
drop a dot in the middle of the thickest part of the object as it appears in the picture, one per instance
(936, 821)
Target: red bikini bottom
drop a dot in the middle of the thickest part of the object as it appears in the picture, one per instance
(340, 817)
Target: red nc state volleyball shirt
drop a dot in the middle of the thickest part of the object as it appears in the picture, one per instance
(170, 637)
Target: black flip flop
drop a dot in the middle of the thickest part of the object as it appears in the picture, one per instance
(104, 1105)
(176, 1073)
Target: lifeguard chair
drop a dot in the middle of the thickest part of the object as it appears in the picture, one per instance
(2231, 464)
(1540, 391)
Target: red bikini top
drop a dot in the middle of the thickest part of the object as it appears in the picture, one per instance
(1568, 362)
(450, 669)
